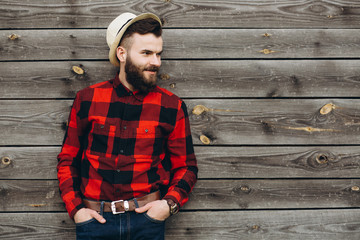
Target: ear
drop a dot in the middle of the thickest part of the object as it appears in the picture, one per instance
(121, 54)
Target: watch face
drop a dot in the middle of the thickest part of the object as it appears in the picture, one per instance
(174, 209)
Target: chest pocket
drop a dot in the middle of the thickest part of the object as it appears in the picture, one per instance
(149, 141)
(148, 132)
(101, 139)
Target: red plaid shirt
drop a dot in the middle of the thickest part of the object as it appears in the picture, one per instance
(121, 145)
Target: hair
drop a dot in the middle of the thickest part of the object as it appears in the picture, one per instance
(142, 27)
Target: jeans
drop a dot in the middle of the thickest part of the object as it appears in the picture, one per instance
(124, 226)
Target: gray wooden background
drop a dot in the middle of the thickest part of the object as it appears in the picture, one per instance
(272, 88)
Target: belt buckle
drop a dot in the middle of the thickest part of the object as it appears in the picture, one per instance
(113, 206)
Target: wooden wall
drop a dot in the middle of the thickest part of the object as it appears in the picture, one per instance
(272, 89)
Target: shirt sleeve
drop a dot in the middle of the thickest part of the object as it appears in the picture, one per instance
(183, 161)
(69, 159)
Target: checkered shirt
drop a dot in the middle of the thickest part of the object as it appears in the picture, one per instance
(122, 145)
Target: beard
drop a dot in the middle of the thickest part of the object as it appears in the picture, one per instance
(135, 76)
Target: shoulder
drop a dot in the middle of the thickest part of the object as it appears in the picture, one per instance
(88, 92)
(167, 96)
(170, 101)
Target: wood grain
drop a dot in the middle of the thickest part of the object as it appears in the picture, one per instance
(272, 89)
(207, 195)
(188, 13)
(278, 162)
(192, 79)
(82, 44)
(33, 122)
(277, 121)
(248, 225)
(214, 162)
(28, 162)
(253, 225)
(223, 122)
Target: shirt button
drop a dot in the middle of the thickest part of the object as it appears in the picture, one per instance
(121, 150)
(124, 127)
(118, 170)
(146, 130)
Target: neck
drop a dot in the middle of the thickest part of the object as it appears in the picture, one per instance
(122, 78)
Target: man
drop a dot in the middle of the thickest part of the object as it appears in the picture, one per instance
(127, 161)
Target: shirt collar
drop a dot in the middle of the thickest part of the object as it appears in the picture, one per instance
(123, 91)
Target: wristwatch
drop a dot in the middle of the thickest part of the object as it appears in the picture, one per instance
(173, 206)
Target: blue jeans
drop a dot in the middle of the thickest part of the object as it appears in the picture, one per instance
(124, 226)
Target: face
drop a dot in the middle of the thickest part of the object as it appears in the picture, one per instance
(143, 61)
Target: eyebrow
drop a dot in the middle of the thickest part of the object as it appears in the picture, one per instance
(147, 50)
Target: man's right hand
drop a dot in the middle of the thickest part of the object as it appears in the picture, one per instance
(86, 214)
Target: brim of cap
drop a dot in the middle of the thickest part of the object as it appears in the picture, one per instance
(112, 53)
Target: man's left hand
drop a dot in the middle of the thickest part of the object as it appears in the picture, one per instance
(158, 210)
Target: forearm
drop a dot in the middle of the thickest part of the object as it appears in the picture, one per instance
(69, 185)
(181, 185)
(69, 161)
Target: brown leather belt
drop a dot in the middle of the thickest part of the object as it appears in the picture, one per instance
(121, 206)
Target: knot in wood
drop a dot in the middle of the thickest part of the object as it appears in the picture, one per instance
(199, 109)
(13, 36)
(255, 227)
(355, 188)
(327, 108)
(266, 35)
(78, 70)
(266, 51)
(163, 21)
(172, 85)
(322, 159)
(5, 161)
(164, 76)
(205, 140)
(37, 205)
(245, 189)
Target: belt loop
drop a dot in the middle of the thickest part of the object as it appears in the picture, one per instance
(136, 203)
(102, 208)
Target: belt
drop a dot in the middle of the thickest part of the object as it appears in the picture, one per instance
(121, 206)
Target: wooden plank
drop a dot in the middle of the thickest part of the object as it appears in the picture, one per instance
(215, 121)
(308, 224)
(83, 44)
(275, 194)
(278, 162)
(277, 121)
(28, 162)
(213, 162)
(54, 226)
(253, 225)
(33, 122)
(188, 13)
(216, 194)
(193, 79)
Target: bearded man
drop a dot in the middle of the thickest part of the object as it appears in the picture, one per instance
(127, 162)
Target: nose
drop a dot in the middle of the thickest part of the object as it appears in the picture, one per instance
(155, 60)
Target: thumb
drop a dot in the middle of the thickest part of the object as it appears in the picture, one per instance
(98, 217)
(143, 208)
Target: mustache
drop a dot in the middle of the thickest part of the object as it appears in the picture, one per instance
(153, 69)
